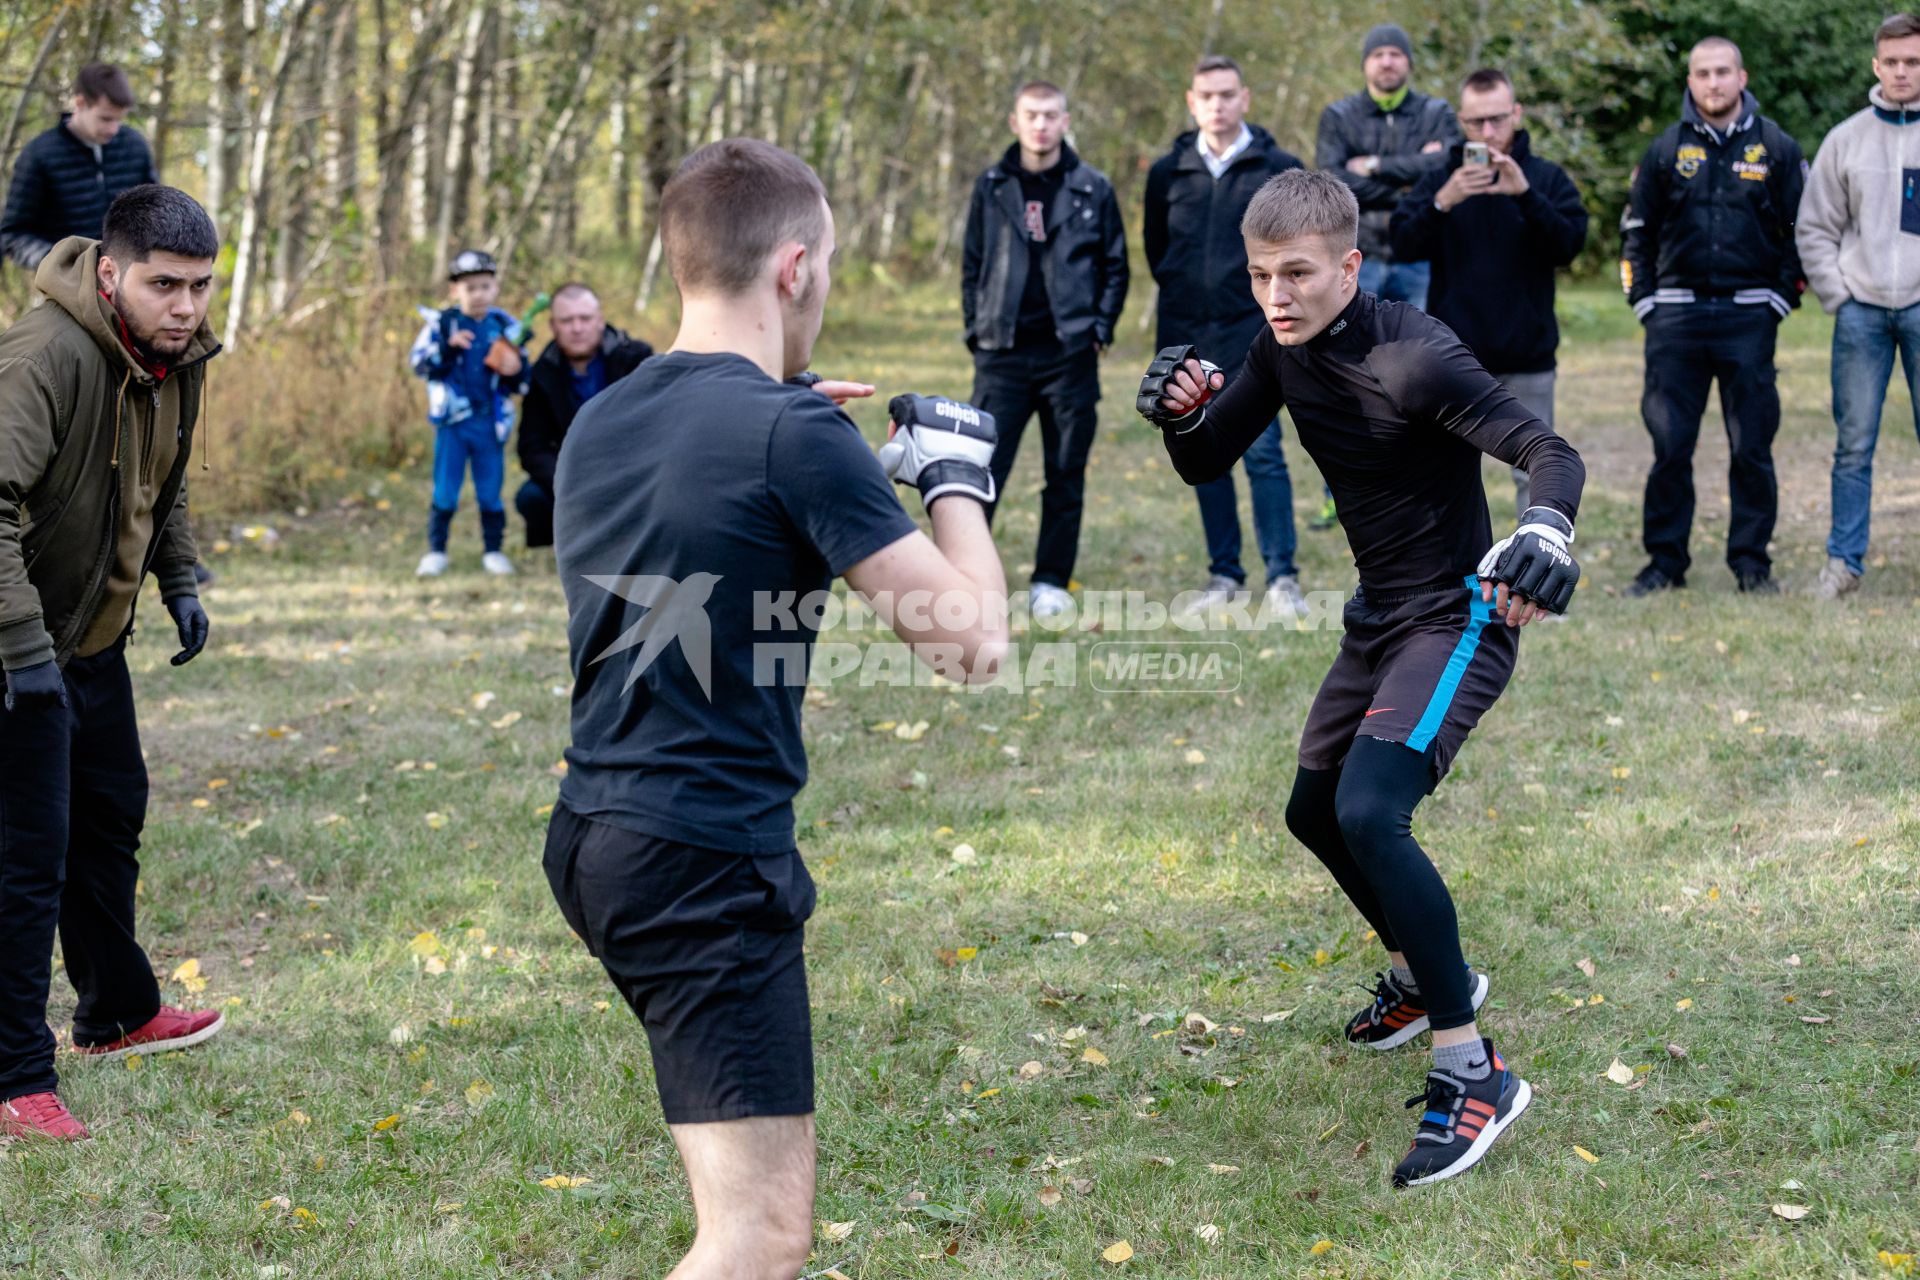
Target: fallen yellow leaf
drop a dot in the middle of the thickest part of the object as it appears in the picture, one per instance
(1683, 1004)
(478, 1093)
(1586, 1155)
(1117, 1252)
(1320, 1247)
(1196, 756)
(424, 943)
(965, 953)
(561, 1182)
(1620, 1073)
(1791, 1212)
(381, 1126)
(836, 1230)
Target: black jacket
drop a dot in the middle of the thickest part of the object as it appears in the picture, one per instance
(550, 404)
(1711, 214)
(1194, 247)
(62, 187)
(1494, 257)
(1356, 126)
(1085, 263)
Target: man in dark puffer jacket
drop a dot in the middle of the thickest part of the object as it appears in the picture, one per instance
(66, 177)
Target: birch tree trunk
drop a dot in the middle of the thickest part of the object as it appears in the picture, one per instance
(255, 209)
(456, 176)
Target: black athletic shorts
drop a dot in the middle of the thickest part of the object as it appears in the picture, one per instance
(1416, 667)
(706, 948)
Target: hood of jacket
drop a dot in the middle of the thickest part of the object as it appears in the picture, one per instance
(1749, 112)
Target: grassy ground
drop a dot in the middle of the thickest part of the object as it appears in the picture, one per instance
(1685, 840)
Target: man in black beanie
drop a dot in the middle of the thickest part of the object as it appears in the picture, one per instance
(1380, 142)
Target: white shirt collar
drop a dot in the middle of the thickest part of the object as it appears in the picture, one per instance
(1217, 165)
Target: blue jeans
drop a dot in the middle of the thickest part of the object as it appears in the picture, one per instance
(1397, 281)
(1864, 339)
(474, 443)
(1272, 490)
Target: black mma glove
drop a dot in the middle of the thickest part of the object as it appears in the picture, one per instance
(941, 446)
(1151, 401)
(39, 685)
(191, 620)
(1533, 560)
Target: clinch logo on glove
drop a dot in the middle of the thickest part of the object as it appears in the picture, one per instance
(959, 412)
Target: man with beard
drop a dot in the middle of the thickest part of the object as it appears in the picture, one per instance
(100, 391)
(586, 356)
(1397, 413)
(1710, 268)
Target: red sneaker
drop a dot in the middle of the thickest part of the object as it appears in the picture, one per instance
(40, 1115)
(170, 1028)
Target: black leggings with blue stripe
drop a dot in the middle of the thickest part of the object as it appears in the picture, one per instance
(1358, 820)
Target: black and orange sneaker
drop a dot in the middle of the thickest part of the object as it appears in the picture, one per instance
(1462, 1119)
(1396, 1014)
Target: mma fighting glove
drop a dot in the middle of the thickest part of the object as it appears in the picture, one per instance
(1151, 402)
(1533, 560)
(36, 686)
(941, 446)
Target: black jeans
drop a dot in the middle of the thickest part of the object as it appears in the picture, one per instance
(1065, 387)
(535, 506)
(73, 799)
(1689, 347)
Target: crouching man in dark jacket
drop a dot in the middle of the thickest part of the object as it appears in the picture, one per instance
(586, 356)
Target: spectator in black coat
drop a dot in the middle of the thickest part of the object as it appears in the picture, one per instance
(1196, 195)
(65, 178)
(586, 356)
(1495, 233)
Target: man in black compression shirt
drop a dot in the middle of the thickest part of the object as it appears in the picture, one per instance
(1396, 412)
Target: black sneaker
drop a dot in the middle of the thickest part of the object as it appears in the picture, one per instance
(1463, 1117)
(1396, 1014)
(1651, 579)
(1756, 582)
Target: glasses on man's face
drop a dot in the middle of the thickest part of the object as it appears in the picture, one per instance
(1480, 124)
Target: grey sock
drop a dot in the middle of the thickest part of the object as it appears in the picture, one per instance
(1469, 1061)
(1403, 978)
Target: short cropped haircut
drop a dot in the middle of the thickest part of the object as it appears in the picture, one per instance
(150, 219)
(730, 205)
(99, 80)
(1303, 202)
(1898, 27)
(1039, 89)
(1718, 42)
(1486, 80)
(1217, 62)
(574, 289)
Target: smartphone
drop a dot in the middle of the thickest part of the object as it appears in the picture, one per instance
(1477, 153)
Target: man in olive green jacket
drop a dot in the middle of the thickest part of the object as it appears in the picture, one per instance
(100, 389)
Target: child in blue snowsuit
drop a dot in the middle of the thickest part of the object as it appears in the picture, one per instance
(470, 408)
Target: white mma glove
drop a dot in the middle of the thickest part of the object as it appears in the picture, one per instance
(940, 446)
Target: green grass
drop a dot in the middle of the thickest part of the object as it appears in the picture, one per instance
(1711, 799)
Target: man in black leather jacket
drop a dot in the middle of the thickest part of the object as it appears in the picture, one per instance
(1043, 278)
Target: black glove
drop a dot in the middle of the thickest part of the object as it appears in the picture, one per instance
(1151, 401)
(942, 446)
(36, 686)
(191, 619)
(1533, 560)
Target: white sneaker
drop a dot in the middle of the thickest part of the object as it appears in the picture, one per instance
(1835, 580)
(1044, 600)
(432, 565)
(1220, 590)
(1284, 599)
(496, 562)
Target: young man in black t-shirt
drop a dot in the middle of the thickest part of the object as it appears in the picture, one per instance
(711, 492)
(1396, 412)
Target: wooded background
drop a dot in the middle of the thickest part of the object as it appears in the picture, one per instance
(350, 146)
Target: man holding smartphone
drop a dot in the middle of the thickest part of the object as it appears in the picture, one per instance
(1496, 223)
